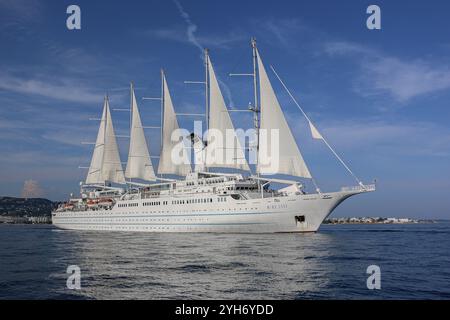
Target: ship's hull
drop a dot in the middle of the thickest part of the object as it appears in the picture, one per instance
(299, 213)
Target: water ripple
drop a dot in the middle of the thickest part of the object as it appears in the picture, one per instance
(331, 264)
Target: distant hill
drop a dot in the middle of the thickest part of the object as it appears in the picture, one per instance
(20, 207)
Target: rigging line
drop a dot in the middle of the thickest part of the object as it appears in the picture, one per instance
(309, 120)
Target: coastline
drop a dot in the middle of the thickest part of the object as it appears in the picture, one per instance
(376, 220)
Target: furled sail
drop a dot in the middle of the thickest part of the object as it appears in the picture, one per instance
(223, 149)
(281, 156)
(167, 164)
(94, 175)
(139, 165)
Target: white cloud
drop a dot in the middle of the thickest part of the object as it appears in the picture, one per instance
(222, 41)
(189, 35)
(191, 27)
(401, 78)
(389, 139)
(62, 89)
(406, 79)
(201, 44)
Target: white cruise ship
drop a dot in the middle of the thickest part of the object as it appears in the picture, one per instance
(194, 198)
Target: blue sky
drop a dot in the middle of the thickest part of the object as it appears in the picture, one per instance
(381, 97)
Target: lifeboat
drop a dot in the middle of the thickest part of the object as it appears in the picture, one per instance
(68, 206)
(92, 202)
(105, 201)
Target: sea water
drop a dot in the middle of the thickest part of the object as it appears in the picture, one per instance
(414, 262)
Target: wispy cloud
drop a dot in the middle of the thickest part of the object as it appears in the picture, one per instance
(21, 10)
(61, 89)
(280, 31)
(192, 38)
(190, 34)
(191, 27)
(178, 34)
(390, 139)
(381, 73)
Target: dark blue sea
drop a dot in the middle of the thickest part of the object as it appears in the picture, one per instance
(414, 260)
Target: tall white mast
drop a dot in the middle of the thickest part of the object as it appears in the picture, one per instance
(206, 83)
(131, 121)
(206, 104)
(162, 101)
(162, 107)
(206, 90)
(162, 116)
(255, 108)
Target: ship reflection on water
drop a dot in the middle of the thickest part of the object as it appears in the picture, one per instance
(198, 266)
(330, 264)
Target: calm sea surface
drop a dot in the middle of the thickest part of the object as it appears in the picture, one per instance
(331, 264)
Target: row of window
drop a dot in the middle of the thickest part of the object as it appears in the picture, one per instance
(154, 203)
(202, 200)
(141, 220)
(113, 214)
(211, 181)
(158, 203)
(123, 205)
(202, 182)
(244, 188)
(129, 228)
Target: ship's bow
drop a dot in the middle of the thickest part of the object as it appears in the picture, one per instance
(312, 212)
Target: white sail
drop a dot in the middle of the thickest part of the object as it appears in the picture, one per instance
(289, 159)
(224, 149)
(139, 165)
(112, 170)
(167, 165)
(314, 132)
(94, 175)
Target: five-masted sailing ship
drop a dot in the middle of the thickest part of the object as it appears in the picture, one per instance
(195, 199)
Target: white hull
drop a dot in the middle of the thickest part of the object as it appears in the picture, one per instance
(296, 213)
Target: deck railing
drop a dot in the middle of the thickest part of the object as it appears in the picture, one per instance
(367, 187)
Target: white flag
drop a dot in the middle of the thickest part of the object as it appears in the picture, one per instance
(314, 132)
